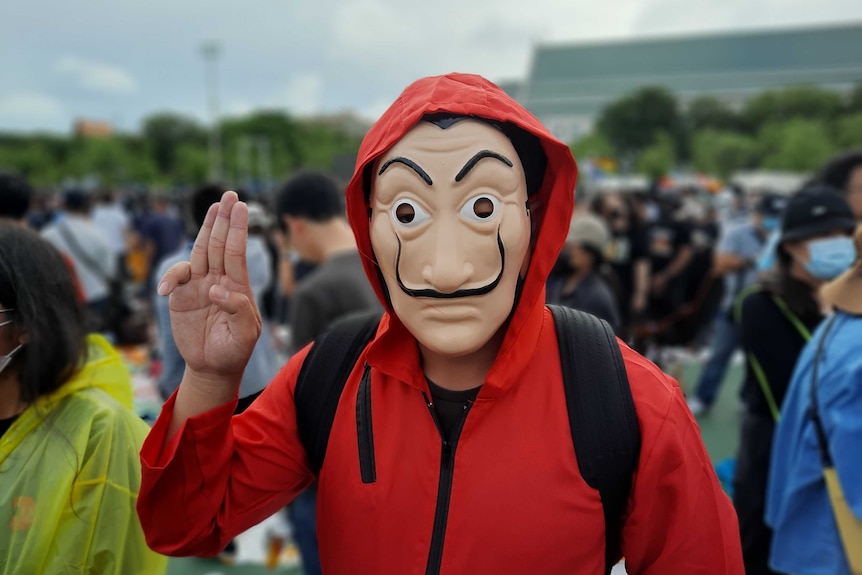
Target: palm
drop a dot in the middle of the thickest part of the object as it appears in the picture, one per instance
(213, 336)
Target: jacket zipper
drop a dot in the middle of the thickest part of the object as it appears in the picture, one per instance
(364, 431)
(444, 488)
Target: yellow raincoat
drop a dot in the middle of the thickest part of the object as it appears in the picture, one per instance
(69, 478)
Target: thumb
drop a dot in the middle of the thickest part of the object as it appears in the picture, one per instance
(243, 314)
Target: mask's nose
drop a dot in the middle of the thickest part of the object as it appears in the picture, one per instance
(447, 269)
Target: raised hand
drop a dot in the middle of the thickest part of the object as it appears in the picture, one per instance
(214, 319)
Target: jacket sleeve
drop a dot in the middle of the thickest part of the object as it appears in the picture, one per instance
(843, 410)
(219, 475)
(679, 521)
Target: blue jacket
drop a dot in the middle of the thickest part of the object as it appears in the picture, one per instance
(806, 540)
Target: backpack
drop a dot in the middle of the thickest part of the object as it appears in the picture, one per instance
(601, 410)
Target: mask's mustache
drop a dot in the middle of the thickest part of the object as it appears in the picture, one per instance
(457, 293)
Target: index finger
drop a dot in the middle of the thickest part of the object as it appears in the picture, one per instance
(199, 259)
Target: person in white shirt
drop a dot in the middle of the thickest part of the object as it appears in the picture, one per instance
(110, 216)
(93, 257)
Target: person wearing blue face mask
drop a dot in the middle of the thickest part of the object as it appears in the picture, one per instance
(775, 320)
(734, 261)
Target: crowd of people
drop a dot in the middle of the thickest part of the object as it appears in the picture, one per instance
(84, 270)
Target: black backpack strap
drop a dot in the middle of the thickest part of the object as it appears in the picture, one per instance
(323, 376)
(602, 415)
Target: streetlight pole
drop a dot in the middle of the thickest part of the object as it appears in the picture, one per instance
(211, 51)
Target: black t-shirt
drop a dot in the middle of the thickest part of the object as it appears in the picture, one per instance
(769, 335)
(665, 239)
(624, 249)
(5, 424)
(704, 236)
(450, 405)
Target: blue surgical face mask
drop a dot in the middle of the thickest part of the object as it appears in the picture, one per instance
(767, 258)
(770, 223)
(830, 257)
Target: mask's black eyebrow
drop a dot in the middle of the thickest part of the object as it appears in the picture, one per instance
(410, 164)
(481, 156)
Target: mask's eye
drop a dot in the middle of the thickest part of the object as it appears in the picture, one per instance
(408, 213)
(480, 209)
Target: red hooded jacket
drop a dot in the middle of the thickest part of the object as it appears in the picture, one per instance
(517, 504)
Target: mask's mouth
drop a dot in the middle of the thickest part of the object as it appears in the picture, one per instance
(432, 293)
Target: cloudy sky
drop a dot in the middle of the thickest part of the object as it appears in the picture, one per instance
(119, 60)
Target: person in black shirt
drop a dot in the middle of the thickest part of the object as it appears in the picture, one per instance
(626, 254)
(670, 252)
(775, 321)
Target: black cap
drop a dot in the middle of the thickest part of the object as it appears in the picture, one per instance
(771, 204)
(310, 195)
(814, 211)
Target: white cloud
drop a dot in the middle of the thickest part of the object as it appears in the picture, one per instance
(30, 110)
(97, 76)
(304, 94)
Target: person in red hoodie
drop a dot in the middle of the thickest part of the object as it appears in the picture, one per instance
(460, 203)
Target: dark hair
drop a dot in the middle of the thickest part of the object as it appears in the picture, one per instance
(200, 202)
(35, 282)
(15, 196)
(76, 201)
(310, 195)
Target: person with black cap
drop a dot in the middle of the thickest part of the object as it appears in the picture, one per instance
(814, 503)
(775, 320)
(735, 261)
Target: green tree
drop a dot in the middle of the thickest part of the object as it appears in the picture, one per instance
(659, 158)
(798, 145)
(709, 113)
(723, 153)
(634, 123)
(192, 164)
(805, 102)
(30, 158)
(854, 101)
(105, 158)
(593, 145)
(165, 133)
(848, 131)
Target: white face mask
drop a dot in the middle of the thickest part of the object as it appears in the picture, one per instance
(5, 359)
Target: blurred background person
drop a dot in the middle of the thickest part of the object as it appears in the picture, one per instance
(90, 250)
(577, 281)
(736, 263)
(775, 321)
(626, 253)
(162, 233)
(110, 216)
(312, 209)
(814, 440)
(69, 440)
(844, 173)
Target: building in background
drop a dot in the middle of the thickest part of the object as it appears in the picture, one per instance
(85, 128)
(568, 84)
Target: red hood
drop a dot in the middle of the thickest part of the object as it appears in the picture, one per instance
(394, 351)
